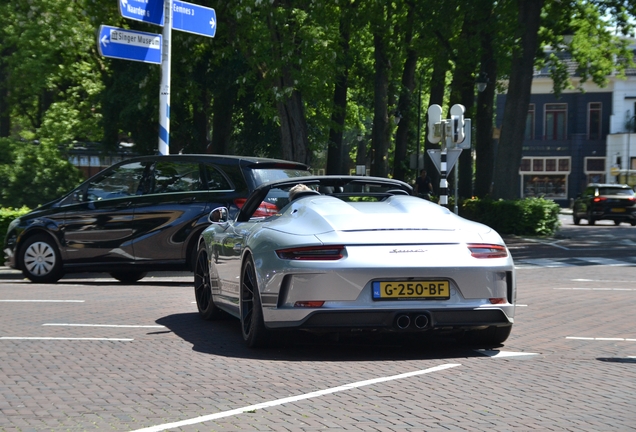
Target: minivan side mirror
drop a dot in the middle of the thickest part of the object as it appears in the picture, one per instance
(218, 215)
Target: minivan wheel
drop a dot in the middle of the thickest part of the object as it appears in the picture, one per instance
(41, 261)
(128, 276)
(577, 220)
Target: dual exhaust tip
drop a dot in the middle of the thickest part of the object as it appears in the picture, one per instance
(414, 322)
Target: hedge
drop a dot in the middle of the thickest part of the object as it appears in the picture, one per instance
(529, 216)
(6, 216)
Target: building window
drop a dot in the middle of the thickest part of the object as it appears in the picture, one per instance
(594, 120)
(529, 134)
(595, 169)
(555, 121)
(545, 177)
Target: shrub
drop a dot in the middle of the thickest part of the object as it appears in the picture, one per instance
(6, 216)
(31, 175)
(529, 216)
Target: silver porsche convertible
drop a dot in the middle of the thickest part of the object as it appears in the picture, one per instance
(353, 254)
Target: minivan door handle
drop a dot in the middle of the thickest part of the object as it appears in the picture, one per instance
(124, 205)
(187, 200)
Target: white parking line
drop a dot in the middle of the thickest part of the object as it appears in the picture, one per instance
(63, 338)
(103, 325)
(596, 289)
(43, 301)
(600, 339)
(293, 399)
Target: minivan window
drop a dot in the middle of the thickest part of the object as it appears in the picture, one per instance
(120, 182)
(176, 176)
(216, 180)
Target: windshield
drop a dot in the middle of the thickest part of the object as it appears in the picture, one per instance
(615, 191)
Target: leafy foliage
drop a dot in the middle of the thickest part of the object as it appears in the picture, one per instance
(31, 175)
(530, 216)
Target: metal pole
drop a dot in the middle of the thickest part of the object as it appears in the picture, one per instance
(456, 208)
(629, 162)
(419, 130)
(164, 87)
(443, 183)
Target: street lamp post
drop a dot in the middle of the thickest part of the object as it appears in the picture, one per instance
(627, 156)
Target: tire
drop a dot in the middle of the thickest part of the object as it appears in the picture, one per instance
(253, 328)
(617, 223)
(128, 276)
(203, 288)
(41, 260)
(486, 338)
(576, 219)
(590, 220)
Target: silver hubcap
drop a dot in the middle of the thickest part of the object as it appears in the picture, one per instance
(39, 258)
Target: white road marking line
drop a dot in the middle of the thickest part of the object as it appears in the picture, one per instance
(63, 338)
(43, 301)
(601, 280)
(103, 325)
(293, 399)
(502, 354)
(600, 339)
(595, 289)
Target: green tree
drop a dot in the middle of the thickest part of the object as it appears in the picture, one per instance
(32, 174)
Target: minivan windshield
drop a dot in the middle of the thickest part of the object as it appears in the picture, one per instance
(615, 191)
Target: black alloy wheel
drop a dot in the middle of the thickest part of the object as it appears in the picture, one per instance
(252, 324)
(203, 287)
(41, 261)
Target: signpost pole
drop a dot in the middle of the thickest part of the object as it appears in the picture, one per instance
(164, 87)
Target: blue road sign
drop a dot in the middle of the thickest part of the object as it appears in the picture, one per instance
(129, 44)
(193, 18)
(150, 11)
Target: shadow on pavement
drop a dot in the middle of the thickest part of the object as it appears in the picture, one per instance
(223, 338)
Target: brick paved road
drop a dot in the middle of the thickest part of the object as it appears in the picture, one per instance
(579, 321)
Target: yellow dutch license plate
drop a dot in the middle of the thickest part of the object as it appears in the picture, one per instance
(411, 290)
(618, 210)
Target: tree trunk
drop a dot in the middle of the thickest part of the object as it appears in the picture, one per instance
(293, 127)
(223, 110)
(337, 157)
(508, 158)
(5, 116)
(380, 147)
(405, 104)
(484, 148)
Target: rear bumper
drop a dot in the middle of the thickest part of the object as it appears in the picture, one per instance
(394, 320)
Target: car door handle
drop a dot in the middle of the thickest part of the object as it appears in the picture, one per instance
(123, 205)
(187, 200)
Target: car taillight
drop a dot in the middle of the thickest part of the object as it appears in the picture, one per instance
(264, 210)
(315, 253)
(487, 251)
(599, 199)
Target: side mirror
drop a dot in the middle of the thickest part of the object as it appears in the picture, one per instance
(218, 215)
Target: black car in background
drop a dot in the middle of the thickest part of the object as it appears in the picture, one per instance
(142, 214)
(616, 202)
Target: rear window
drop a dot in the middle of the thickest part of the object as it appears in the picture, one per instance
(265, 175)
(615, 191)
